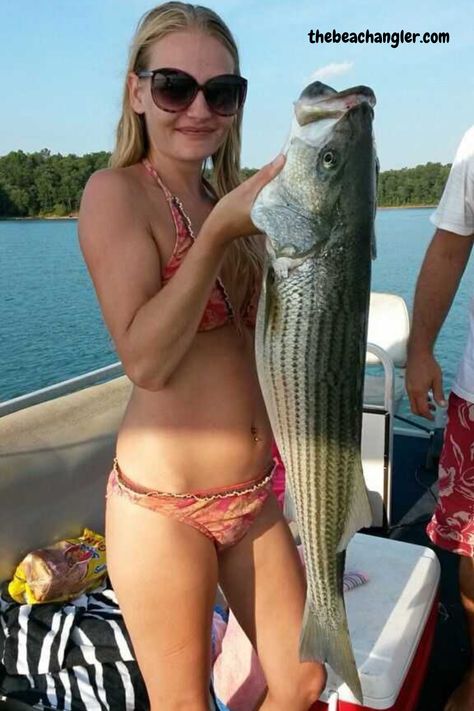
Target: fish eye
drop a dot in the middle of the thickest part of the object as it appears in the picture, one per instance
(329, 159)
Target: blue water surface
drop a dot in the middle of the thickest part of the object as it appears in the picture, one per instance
(52, 328)
(51, 324)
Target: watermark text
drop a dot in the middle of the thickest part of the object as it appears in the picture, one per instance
(394, 39)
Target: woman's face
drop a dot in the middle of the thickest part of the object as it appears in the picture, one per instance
(196, 132)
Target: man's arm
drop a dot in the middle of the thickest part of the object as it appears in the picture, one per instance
(439, 278)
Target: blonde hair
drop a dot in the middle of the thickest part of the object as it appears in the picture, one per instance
(243, 263)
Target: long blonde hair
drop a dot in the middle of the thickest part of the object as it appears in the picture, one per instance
(244, 257)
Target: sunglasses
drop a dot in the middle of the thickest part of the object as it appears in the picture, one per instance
(174, 90)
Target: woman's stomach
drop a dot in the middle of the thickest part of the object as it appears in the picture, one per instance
(206, 428)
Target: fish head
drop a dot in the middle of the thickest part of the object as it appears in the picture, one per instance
(345, 177)
(328, 178)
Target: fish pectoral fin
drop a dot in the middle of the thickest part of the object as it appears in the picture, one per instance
(324, 641)
(359, 514)
(291, 232)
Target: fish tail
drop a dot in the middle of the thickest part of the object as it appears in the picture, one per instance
(329, 641)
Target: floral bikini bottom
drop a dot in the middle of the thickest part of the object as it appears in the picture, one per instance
(224, 514)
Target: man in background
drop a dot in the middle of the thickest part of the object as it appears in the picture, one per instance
(452, 525)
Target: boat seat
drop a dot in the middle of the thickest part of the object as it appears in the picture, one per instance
(374, 390)
(388, 331)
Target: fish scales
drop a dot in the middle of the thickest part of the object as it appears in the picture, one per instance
(332, 422)
(311, 340)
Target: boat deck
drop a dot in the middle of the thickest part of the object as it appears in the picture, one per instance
(413, 500)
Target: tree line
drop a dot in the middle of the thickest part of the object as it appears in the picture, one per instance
(44, 185)
(41, 184)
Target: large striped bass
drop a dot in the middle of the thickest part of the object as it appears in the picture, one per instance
(311, 335)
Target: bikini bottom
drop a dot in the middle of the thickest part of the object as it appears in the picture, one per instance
(222, 514)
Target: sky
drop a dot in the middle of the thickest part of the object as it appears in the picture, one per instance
(63, 62)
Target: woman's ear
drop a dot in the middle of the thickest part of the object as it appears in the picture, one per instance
(135, 93)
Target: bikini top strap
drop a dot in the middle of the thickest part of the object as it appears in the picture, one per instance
(169, 195)
(154, 174)
(176, 209)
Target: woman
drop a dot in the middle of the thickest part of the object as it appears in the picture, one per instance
(189, 497)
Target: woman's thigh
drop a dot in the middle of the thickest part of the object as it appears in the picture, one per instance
(165, 575)
(264, 582)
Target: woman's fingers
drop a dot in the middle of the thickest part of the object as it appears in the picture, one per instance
(230, 217)
(268, 172)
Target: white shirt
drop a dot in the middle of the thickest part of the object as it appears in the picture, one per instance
(455, 213)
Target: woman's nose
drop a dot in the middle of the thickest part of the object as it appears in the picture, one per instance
(199, 107)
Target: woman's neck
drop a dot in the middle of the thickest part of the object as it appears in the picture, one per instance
(182, 178)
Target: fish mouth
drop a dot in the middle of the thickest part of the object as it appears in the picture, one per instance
(319, 101)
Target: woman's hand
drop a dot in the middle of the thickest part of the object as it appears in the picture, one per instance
(230, 217)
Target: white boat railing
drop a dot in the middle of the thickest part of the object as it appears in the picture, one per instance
(66, 387)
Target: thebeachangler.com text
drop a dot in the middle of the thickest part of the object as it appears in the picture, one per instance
(394, 39)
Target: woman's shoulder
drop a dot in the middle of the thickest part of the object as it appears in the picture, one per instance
(112, 202)
(112, 182)
(117, 193)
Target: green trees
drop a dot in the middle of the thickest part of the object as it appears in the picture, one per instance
(422, 185)
(41, 184)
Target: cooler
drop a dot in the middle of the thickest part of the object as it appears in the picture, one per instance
(391, 620)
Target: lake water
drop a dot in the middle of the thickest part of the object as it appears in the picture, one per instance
(52, 329)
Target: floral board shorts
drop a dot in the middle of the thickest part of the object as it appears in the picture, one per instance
(452, 525)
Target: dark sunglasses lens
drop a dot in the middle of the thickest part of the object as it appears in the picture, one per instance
(225, 95)
(173, 91)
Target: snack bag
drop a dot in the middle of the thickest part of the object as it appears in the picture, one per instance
(61, 571)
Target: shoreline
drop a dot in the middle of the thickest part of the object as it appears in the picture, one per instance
(75, 216)
(39, 218)
(407, 207)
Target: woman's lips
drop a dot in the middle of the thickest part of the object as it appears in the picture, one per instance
(196, 131)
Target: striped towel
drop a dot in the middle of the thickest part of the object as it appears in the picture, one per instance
(74, 656)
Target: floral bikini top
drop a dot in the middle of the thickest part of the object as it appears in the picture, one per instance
(219, 309)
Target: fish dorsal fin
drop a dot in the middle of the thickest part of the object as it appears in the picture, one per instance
(373, 244)
(373, 241)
